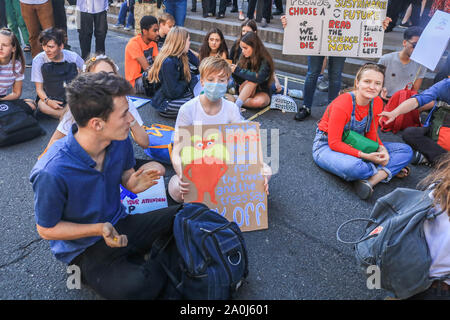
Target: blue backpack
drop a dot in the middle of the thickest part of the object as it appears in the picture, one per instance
(211, 255)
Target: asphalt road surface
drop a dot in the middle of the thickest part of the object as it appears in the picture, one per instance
(297, 257)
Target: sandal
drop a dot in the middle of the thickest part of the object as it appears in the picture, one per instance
(27, 48)
(404, 172)
(363, 189)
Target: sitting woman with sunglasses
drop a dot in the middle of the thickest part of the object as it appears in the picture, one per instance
(359, 111)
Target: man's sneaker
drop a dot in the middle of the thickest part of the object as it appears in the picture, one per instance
(302, 114)
(118, 26)
(128, 28)
(322, 85)
(294, 93)
(264, 23)
(419, 158)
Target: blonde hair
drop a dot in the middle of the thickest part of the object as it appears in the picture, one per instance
(214, 65)
(173, 47)
(163, 18)
(440, 177)
(93, 60)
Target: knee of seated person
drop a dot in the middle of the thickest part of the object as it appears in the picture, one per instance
(153, 165)
(174, 189)
(411, 132)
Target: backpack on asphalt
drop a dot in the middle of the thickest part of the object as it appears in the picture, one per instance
(439, 122)
(394, 241)
(16, 125)
(410, 119)
(210, 258)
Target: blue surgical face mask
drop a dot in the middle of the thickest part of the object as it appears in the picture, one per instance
(214, 91)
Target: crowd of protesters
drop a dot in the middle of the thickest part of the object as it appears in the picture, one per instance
(214, 85)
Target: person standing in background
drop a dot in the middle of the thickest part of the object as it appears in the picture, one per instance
(3, 22)
(15, 22)
(92, 19)
(37, 14)
(177, 8)
(60, 18)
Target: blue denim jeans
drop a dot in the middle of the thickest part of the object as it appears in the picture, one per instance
(123, 15)
(351, 168)
(177, 8)
(335, 67)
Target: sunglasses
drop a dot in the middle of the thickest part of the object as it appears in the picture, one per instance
(413, 44)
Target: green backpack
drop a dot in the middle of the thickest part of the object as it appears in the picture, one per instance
(439, 122)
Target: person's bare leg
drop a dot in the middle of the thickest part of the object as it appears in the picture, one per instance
(259, 100)
(153, 165)
(174, 189)
(377, 178)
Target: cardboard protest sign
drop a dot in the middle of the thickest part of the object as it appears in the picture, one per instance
(435, 35)
(151, 199)
(349, 28)
(223, 166)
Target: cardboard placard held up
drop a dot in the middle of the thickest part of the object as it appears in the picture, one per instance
(224, 168)
(335, 28)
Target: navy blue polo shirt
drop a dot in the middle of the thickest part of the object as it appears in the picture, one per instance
(67, 187)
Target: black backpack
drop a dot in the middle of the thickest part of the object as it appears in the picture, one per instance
(16, 125)
(205, 259)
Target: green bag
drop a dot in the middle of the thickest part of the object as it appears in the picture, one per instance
(359, 142)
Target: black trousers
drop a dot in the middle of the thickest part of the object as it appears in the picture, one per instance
(59, 14)
(419, 140)
(266, 12)
(123, 273)
(396, 7)
(209, 6)
(3, 22)
(92, 23)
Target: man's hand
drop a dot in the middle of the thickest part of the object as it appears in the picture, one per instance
(387, 117)
(142, 179)
(283, 21)
(112, 237)
(55, 104)
(386, 22)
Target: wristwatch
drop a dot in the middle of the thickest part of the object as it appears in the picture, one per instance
(46, 99)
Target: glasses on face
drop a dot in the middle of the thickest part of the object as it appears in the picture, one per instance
(413, 44)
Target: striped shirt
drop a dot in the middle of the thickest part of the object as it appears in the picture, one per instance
(7, 77)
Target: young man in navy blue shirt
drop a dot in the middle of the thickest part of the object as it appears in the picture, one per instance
(77, 194)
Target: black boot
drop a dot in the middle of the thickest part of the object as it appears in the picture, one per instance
(194, 6)
(302, 114)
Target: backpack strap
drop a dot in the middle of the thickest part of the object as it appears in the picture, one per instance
(371, 235)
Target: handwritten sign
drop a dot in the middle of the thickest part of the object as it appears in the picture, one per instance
(151, 199)
(435, 35)
(223, 166)
(349, 28)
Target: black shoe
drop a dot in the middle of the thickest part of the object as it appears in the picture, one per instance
(193, 9)
(302, 114)
(363, 189)
(234, 9)
(205, 15)
(220, 16)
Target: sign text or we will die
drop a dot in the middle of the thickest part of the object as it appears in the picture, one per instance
(348, 28)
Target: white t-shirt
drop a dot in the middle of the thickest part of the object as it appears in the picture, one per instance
(398, 75)
(41, 58)
(192, 113)
(437, 233)
(66, 122)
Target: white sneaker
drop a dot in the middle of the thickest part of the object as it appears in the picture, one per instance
(128, 28)
(118, 26)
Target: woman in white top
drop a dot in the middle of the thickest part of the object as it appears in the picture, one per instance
(103, 63)
(437, 232)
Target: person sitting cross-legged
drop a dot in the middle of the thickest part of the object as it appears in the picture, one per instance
(77, 194)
